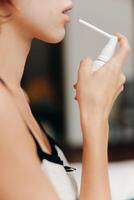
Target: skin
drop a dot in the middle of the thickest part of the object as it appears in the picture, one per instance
(24, 179)
(27, 22)
(91, 88)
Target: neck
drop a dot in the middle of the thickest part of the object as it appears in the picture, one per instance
(14, 49)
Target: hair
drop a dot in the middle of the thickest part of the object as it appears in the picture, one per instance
(6, 1)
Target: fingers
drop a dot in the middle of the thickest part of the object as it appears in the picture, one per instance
(117, 94)
(84, 68)
(121, 89)
(86, 62)
(123, 79)
(123, 50)
(122, 83)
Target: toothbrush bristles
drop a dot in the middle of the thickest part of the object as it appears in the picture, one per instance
(95, 28)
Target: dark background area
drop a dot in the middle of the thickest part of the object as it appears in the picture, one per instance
(43, 83)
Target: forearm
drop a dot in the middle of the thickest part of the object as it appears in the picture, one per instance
(95, 180)
(96, 93)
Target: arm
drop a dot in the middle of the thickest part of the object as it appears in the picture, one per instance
(95, 181)
(21, 177)
(96, 93)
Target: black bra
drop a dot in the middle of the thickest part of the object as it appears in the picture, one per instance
(50, 157)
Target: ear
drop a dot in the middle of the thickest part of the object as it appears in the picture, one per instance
(6, 11)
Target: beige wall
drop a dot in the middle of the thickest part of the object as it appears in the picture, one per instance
(111, 16)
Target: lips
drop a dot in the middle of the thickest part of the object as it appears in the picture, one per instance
(67, 8)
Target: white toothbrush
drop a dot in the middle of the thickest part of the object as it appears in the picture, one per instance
(108, 51)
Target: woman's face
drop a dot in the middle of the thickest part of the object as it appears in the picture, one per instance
(42, 19)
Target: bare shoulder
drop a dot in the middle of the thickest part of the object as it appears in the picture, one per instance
(11, 123)
(6, 103)
(12, 128)
(21, 176)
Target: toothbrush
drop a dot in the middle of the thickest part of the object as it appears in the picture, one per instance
(108, 51)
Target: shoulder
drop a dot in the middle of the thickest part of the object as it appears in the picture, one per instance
(6, 102)
(4, 96)
(21, 176)
(13, 131)
(12, 128)
(8, 110)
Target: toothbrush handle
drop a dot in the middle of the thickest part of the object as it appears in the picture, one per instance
(106, 53)
(97, 65)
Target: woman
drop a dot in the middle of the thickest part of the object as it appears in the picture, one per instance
(32, 165)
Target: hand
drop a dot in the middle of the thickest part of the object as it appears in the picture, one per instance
(96, 91)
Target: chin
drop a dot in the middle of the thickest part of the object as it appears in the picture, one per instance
(53, 39)
(56, 40)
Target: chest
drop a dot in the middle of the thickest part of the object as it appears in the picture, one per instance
(32, 124)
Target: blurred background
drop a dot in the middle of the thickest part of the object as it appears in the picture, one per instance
(51, 71)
